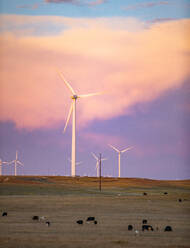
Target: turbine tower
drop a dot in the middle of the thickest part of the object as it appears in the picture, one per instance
(97, 163)
(1, 163)
(15, 162)
(74, 97)
(119, 157)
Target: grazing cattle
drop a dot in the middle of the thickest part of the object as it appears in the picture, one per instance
(180, 200)
(95, 222)
(144, 193)
(35, 217)
(147, 227)
(144, 221)
(90, 218)
(130, 227)
(47, 223)
(4, 214)
(165, 193)
(168, 229)
(80, 222)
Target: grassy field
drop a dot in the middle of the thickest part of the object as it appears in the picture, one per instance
(64, 200)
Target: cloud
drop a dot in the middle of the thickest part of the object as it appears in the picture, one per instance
(94, 55)
(62, 1)
(97, 2)
(161, 20)
(78, 2)
(145, 5)
(29, 6)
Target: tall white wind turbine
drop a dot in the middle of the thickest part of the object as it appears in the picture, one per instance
(1, 163)
(16, 162)
(119, 157)
(97, 163)
(74, 97)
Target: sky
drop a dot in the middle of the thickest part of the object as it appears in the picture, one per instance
(137, 53)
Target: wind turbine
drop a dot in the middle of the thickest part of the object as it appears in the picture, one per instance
(16, 161)
(119, 156)
(1, 163)
(97, 162)
(74, 97)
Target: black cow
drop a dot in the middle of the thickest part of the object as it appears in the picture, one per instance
(95, 222)
(80, 222)
(144, 193)
(144, 221)
(180, 200)
(168, 229)
(130, 227)
(147, 227)
(35, 217)
(165, 193)
(90, 218)
(4, 214)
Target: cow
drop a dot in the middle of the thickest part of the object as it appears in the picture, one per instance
(42, 218)
(80, 222)
(165, 193)
(180, 200)
(47, 223)
(144, 221)
(168, 229)
(147, 227)
(144, 193)
(136, 232)
(4, 214)
(90, 219)
(95, 222)
(35, 217)
(130, 227)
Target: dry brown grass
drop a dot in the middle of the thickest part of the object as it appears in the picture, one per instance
(64, 200)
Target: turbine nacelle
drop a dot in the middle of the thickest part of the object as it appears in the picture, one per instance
(74, 97)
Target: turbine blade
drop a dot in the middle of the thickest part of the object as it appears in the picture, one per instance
(129, 148)
(20, 163)
(11, 162)
(114, 148)
(94, 156)
(67, 84)
(97, 164)
(104, 159)
(78, 163)
(68, 117)
(5, 162)
(91, 94)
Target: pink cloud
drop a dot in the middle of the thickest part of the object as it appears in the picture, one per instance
(146, 5)
(97, 2)
(61, 1)
(131, 67)
(78, 2)
(29, 6)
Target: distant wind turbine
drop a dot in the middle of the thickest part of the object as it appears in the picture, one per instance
(16, 162)
(1, 163)
(77, 163)
(119, 156)
(74, 97)
(97, 162)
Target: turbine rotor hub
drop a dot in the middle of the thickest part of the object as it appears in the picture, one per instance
(74, 97)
